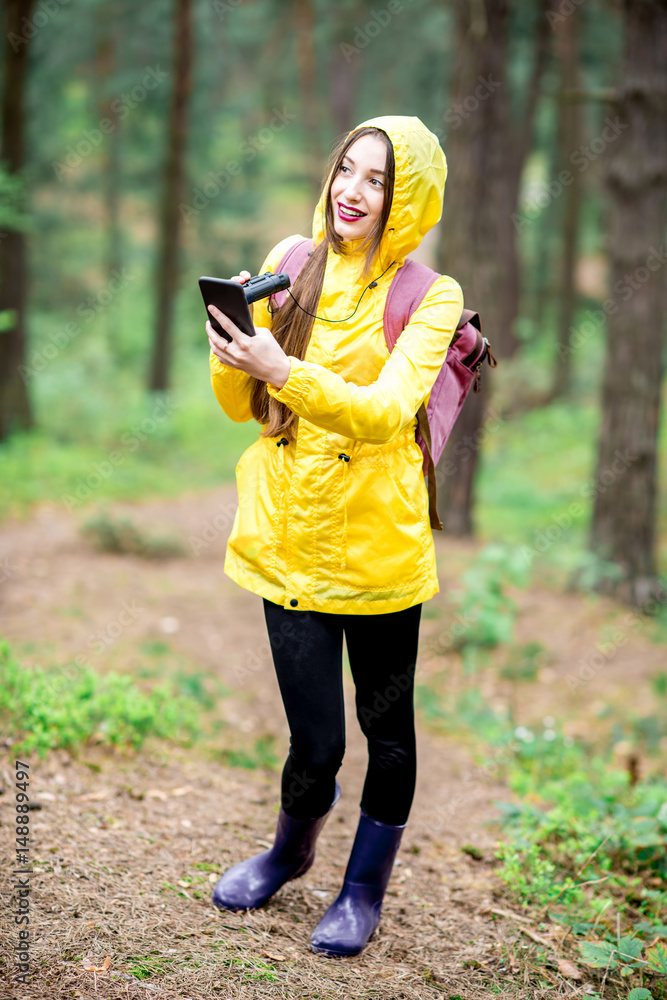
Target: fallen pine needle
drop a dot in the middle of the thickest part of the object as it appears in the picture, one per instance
(504, 913)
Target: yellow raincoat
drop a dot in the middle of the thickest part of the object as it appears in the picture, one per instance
(312, 530)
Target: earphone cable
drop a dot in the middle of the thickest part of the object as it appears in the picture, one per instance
(324, 318)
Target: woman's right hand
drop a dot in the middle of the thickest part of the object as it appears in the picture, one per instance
(242, 278)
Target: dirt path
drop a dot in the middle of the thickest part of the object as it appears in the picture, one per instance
(126, 847)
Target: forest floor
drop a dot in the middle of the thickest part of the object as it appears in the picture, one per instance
(126, 845)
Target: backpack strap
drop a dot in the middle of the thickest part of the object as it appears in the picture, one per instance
(407, 290)
(410, 284)
(408, 287)
(291, 263)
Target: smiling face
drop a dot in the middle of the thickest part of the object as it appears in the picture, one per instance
(358, 189)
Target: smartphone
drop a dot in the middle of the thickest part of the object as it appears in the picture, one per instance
(230, 299)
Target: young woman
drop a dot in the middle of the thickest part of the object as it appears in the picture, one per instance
(332, 528)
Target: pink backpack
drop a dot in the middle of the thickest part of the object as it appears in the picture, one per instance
(460, 371)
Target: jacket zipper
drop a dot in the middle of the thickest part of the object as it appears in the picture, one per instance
(279, 506)
(343, 546)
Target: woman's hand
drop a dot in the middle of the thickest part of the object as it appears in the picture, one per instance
(260, 356)
(242, 278)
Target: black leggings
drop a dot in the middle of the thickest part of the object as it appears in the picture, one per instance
(307, 648)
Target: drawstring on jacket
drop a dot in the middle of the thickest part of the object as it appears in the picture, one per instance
(343, 547)
(279, 487)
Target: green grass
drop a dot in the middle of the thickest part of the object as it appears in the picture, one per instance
(117, 443)
(262, 754)
(43, 708)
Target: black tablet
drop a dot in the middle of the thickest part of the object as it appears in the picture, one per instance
(230, 299)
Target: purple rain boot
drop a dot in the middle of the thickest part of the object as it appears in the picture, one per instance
(251, 883)
(353, 916)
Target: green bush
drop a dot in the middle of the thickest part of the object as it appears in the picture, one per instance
(44, 708)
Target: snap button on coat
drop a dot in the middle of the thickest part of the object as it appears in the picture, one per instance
(341, 516)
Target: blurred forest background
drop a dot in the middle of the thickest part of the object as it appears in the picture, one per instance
(144, 146)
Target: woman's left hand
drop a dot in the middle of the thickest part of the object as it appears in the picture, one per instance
(260, 356)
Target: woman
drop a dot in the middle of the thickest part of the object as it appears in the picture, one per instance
(332, 528)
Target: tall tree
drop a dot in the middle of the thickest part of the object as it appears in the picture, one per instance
(345, 62)
(566, 45)
(106, 17)
(624, 513)
(485, 155)
(306, 54)
(168, 260)
(15, 409)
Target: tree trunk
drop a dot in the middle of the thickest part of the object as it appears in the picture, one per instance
(15, 409)
(485, 157)
(344, 65)
(624, 513)
(569, 138)
(107, 17)
(167, 274)
(305, 23)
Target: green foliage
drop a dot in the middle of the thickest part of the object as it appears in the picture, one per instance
(605, 955)
(122, 535)
(12, 198)
(532, 878)
(47, 707)
(585, 842)
(657, 958)
(523, 662)
(589, 571)
(262, 754)
(90, 450)
(484, 607)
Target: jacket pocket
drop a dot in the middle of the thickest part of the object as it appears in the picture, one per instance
(260, 485)
(386, 524)
(405, 481)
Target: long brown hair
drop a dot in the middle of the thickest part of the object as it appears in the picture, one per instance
(292, 326)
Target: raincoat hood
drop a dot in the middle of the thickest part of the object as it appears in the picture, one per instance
(419, 187)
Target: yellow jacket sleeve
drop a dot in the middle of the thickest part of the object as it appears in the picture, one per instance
(375, 413)
(232, 390)
(232, 387)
